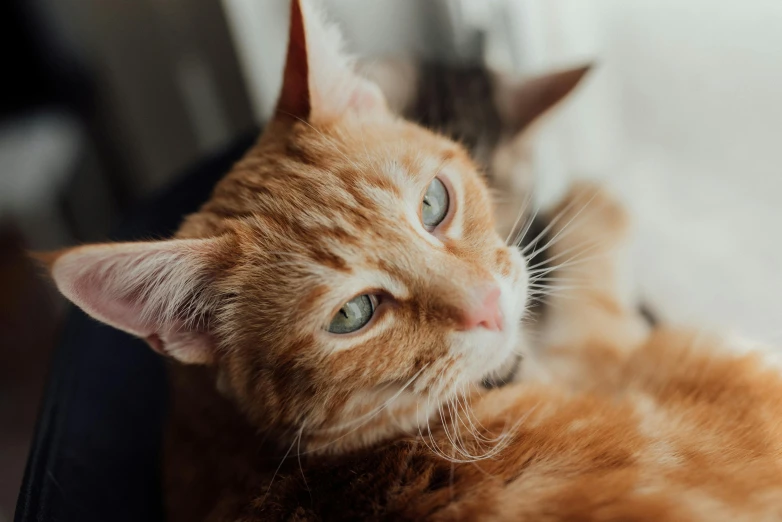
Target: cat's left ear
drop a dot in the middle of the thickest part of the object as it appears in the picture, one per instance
(320, 83)
(161, 291)
(521, 102)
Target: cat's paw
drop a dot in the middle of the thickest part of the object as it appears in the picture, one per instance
(588, 217)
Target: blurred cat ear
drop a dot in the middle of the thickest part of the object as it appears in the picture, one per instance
(397, 78)
(520, 103)
(320, 83)
(159, 291)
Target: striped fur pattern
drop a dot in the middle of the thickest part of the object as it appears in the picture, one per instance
(275, 418)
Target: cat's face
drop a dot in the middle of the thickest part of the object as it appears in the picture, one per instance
(389, 218)
(345, 279)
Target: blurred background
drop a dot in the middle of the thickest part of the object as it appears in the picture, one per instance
(104, 102)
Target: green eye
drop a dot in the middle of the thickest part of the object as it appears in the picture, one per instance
(435, 204)
(353, 315)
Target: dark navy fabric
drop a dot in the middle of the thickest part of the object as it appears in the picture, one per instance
(96, 451)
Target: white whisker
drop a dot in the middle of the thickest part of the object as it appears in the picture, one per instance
(518, 217)
(548, 227)
(561, 230)
(520, 237)
(366, 417)
(277, 471)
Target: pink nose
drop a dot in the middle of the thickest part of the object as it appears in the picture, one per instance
(486, 314)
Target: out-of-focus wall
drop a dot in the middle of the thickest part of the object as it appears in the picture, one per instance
(168, 81)
(682, 117)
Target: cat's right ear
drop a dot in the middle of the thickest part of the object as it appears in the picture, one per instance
(160, 291)
(320, 83)
(522, 102)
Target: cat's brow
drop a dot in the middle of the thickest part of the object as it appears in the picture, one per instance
(446, 156)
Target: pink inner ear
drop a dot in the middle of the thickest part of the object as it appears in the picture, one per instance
(319, 80)
(99, 291)
(295, 95)
(142, 289)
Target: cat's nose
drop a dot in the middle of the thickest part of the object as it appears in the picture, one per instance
(485, 313)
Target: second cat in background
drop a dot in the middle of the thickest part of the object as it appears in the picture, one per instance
(491, 113)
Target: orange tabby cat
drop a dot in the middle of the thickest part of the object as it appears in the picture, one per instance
(334, 307)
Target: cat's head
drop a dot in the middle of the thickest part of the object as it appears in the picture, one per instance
(344, 278)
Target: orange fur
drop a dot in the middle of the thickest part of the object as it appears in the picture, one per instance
(607, 422)
(664, 425)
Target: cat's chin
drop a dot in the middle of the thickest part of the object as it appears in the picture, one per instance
(504, 365)
(490, 356)
(507, 373)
